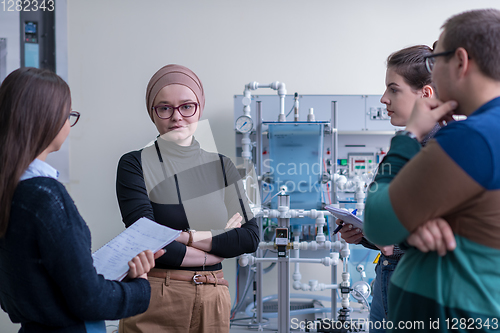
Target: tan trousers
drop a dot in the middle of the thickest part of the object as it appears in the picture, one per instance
(182, 307)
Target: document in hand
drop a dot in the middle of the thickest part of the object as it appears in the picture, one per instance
(112, 259)
(345, 216)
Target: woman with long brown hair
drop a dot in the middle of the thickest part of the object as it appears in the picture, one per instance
(48, 282)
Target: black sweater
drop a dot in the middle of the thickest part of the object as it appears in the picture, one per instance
(47, 278)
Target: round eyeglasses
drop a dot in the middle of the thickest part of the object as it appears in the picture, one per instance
(429, 59)
(164, 111)
(73, 117)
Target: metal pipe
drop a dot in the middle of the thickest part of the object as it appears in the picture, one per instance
(333, 195)
(335, 147)
(260, 270)
(284, 274)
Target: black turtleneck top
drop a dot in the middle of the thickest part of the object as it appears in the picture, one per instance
(186, 188)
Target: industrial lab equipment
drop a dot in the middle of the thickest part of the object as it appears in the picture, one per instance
(297, 160)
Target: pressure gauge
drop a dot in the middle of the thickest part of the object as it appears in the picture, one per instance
(244, 124)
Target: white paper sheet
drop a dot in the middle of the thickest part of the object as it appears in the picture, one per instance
(112, 259)
(345, 216)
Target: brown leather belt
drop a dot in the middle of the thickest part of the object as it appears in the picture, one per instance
(214, 278)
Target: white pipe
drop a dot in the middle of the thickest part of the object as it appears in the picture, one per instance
(245, 260)
(339, 180)
(310, 115)
(320, 223)
(313, 285)
(280, 87)
(246, 101)
(292, 213)
(337, 246)
(282, 116)
(296, 274)
(340, 247)
(360, 197)
(345, 283)
(246, 144)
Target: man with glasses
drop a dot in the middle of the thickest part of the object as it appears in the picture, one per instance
(456, 177)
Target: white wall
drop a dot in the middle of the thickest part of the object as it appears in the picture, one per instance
(10, 29)
(314, 46)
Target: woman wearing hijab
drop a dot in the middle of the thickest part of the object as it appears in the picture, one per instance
(176, 183)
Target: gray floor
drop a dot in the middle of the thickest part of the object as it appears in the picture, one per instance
(271, 325)
(268, 327)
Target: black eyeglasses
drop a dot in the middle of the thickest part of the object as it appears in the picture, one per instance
(165, 111)
(73, 117)
(429, 59)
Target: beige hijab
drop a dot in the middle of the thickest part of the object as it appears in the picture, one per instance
(174, 74)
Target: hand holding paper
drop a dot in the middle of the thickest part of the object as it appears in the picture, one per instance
(345, 216)
(112, 260)
(142, 263)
